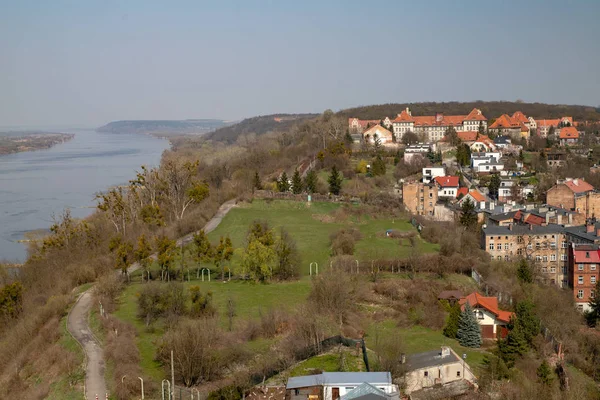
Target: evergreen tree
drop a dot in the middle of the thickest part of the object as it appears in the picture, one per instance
(452, 136)
(283, 184)
(463, 155)
(544, 373)
(524, 273)
(376, 143)
(469, 332)
(468, 215)
(514, 345)
(348, 137)
(494, 186)
(297, 185)
(451, 328)
(310, 181)
(257, 184)
(335, 181)
(528, 322)
(378, 166)
(593, 315)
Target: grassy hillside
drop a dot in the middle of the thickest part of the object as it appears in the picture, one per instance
(491, 109)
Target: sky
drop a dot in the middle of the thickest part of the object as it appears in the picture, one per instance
(91, 62)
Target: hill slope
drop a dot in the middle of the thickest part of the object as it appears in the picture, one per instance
(163, 126)
(258, 125)
(491, 109)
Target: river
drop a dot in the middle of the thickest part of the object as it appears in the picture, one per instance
(36, 185)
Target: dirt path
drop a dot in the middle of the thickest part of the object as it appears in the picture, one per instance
(77, 322)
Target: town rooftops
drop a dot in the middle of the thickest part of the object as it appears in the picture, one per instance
(476, 195)
(489, 303)
(578, 186)
(587, 232)
(340, 378)
(505, 121)
(463, 191)
(439, 119)
(517, 229)
(475, 115)
(447, 181)
(430, 359)
(568, 132)
(376, 129)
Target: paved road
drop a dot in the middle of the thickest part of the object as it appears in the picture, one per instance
(77, 322)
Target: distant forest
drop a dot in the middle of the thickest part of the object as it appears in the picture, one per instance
(491, 109)
(258, 125)
(163, 126)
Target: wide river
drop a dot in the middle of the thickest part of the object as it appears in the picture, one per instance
(36, 185)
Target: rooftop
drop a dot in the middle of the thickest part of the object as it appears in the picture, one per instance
(429, 359)
(340, 378)
(581, 232)
(447, 181)
(489, 303)
(523, 229)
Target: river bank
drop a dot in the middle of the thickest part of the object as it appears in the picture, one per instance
(17, 142)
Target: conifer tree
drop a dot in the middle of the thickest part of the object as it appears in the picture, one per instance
(514, 345)
(283, 185)
(593, 315)
(451, 328)
(544, 373)
(310, 181)
(257, 184)
(335, 181)
(297, 183)
(378, 167)
(468, 333)
(524, 273)
(468, 216)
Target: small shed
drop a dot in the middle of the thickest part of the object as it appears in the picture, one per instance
(452, 296)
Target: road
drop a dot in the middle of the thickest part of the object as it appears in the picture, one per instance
(78, 323)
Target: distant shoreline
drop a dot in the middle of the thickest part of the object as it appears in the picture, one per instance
(20, 142)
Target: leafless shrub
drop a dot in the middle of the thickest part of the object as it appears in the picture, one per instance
(342, 241)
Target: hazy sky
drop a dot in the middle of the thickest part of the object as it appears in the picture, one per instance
(90, 62)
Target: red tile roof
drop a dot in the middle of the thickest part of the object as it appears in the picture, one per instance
(579, 186)
(476, 195)
(462, 191)
(404, 116)
(489, 303)
(569, 132)
(363, 122)
(579, 256)
(520, 117)
(552, 122)
(443, 120)
(475, 115)
(505, 121)
(447, 181)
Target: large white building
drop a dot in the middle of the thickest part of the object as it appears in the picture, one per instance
(435, 126)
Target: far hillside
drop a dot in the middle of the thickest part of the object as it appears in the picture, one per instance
(188, 126)
(491, 109)
(258, 125)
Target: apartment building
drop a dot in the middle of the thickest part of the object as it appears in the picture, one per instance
(544, 125)
(576, 195)
(584, 263)
(434, 126)
(545, 245)
(516, 125)
(419, 198)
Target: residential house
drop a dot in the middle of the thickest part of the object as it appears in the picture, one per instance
(568, 135)
(545, 125)
(447, 186)
(584, 264)
(530, 215)
(435, 126)
(502, 142)
(575, 195)
(474, 196)
(507, 188)
(546, 244)
(419, 198)
(429, 173)
(556, 158)
(334, 385)
(491, 319)
(356, 125)
(385, 137)
(486, 163)
(417, 150)
(507, 125)
(434, 368)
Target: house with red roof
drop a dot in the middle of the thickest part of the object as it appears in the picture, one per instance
(447, 186)
(544, 126)
(568, 135)
(434, 126)
(516, 125)
(474, 195)
(491, 318)
(584, 264)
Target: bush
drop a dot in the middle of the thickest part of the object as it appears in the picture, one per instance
(343, 241)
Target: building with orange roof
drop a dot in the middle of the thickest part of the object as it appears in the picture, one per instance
(575, 195)
(434, 126)
(517, 125)
(385, 137)
(568, 135)
(544, 125)
(360, 125)
(492, 320)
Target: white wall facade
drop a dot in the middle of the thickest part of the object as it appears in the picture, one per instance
(431, 172)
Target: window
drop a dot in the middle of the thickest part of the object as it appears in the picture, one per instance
(430, 195)
(505, 258)
(538, 258)
(580, 294)
(544, 269)
(505, 246)
(593, 279)
(491, 246)
(545, 258)
(580, 280)
(580, 267)
(553, 257)
(426, 373)
(564, 270)
(592, 267)
(499, 258)
(564, 245)
(529, 247)
(563, 257)
(297, 392)
(458, 374)
(499, 246)
(553, 269)
(587, 254)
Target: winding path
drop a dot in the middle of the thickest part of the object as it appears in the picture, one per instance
(78, 324)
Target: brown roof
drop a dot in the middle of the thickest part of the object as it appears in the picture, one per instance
(569, 132)
(378, 129)
(450, 294)
(475, 115)
(520, 117)
(489, 303)
(505, 121)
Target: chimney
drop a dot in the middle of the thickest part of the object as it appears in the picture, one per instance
(547, 218)
(403, 358)
(589, 227)
(439, 117)
(510, 226)
(559, 219)
(530, 227)
(575, 181)
(408, 111)
(445, 351)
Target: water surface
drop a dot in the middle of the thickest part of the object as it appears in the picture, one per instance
(36, 185)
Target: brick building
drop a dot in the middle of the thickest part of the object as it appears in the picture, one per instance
(584, 262)
(575, 195)
(545, 245)
(419, 198)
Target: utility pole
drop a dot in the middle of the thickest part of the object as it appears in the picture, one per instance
(172, 376)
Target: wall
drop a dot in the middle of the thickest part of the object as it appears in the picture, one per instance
(416, 380)
(589, 204)
(560, 196)
(419, 199)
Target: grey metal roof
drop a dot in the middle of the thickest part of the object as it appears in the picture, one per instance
(523, 229)
(502, 216)
(429, 359)
(342, 378)
(366, 391)
(580, 232)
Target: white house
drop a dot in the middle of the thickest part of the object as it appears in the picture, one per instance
(429, 173)
(438, 367)
(492, 320)
(417, 150)
(333, 385)
(490, 167)
(447, 186)
(505, 189)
